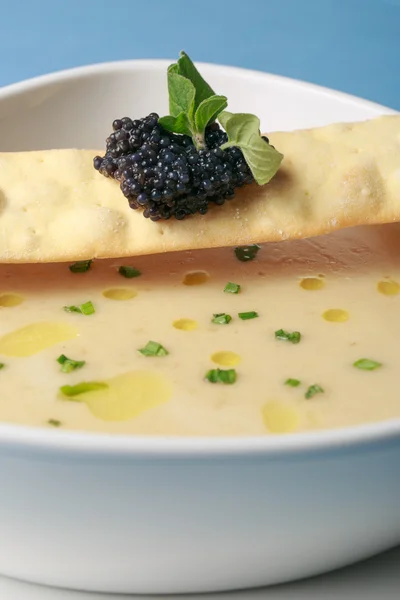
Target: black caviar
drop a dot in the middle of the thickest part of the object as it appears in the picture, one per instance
(164, 174)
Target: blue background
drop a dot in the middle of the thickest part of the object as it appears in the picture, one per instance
(351, 45)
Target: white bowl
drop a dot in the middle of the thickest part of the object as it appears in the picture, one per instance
(156, 515)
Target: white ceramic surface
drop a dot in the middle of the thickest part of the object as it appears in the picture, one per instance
(158, 515)
(373, 579)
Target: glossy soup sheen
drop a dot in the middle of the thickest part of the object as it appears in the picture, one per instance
(339, 292)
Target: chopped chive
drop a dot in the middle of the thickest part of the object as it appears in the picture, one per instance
(54, 422)
(292, 382)
(367, 364)
(81, 266)
(153, 349)
(2, 365)
(287, 336)
(81, 388)
(232, 288)
(221, 319)
(128, 272)
(245, 316)
(86, 308)
(312, 390)
(68, 364)
(246, 253)
(72, 309)
(227, 376)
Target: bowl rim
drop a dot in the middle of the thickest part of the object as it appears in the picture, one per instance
(24, 437)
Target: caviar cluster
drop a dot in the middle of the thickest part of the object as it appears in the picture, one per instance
(164, 174)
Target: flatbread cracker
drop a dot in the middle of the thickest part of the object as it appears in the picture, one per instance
(55, 207)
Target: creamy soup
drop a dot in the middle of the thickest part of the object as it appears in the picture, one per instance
(295, 336)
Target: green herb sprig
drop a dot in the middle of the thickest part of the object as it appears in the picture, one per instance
(221, 319)
(227, 376)
(86, 308)
(193, 105)
(68, 364)
(81, 266)
(153, 349)
(81, 388)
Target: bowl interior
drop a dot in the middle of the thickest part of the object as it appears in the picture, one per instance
(76, 108)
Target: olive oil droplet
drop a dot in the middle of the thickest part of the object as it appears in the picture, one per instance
(226, 358)
(279, 417)
(127, 395)
(388, 288)
(10, 300)
(35, 337)
(336, 315)
(119, 294)
(185, 324)
(312, 283)
(196, 278)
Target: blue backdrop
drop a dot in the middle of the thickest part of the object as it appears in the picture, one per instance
(351, 45)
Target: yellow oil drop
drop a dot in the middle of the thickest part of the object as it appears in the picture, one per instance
(336, 315)
(185, 324)
(10, 300)
(128, 395)
(196, 278)
(35, 337)
(388, 288)
(280, 418)
(226, 358)
(312, 283)
(120, 294)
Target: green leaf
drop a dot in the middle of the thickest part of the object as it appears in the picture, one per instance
(221, 319)
(82, 388)
(69, 364)
(81, 266)
(243, 131)
(208, 111)
(179, 124)
(245, 316)
(312, 390)
(366, 364)
(181, 94)
(246, 253)
(186, 68)
(128, 272)
(293, 382)
(288, 336)
(227, 376)
(153, 349)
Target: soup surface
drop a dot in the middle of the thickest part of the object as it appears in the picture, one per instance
(304, 337)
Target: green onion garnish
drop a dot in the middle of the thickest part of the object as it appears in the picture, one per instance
(128, 272)
(232, 288)
(246, 253)
(287, 336)
(221, 376)
(54, 422)
(68, 364)
(245, 316)
(86, 308)
(293, 382)
(312, 390)
(82, 388)
(153, 349)
(367, 364)
(2, 365)
(221, 319)
(81, 266)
